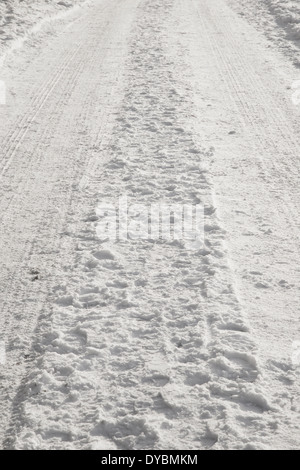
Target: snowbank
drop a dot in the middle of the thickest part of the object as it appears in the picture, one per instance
(278, 19)
(18, 19)
(287, 14)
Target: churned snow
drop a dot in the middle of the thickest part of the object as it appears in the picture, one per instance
(20, 20)
(278, 19)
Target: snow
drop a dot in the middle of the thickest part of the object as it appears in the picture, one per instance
(20, 20)
(278, 19)
(117, 342)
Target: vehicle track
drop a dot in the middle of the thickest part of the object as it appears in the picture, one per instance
(43, 236)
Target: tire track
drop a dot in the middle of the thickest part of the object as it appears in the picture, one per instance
(53, 225)
(263, 122)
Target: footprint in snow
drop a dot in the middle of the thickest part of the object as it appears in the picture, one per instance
(104, 254)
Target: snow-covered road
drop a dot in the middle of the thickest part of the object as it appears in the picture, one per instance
(147, 342)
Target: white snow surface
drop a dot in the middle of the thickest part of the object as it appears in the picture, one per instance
(20, 19)
(278, 19)
(146, 343)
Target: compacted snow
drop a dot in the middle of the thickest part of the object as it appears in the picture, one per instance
(110, 341)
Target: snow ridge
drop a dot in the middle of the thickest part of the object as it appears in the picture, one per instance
(20, 20)
(278, 19)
